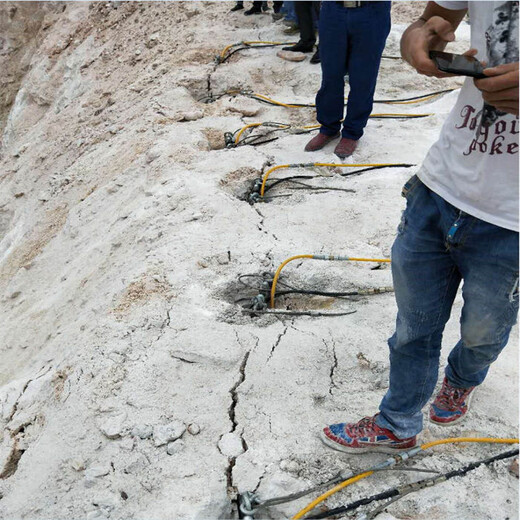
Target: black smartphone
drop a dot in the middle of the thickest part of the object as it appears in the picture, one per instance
(457, 64)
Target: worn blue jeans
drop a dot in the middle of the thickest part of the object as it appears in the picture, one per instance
(438, 246)
(352, 41)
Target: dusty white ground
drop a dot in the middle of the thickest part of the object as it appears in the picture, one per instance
(122, 235)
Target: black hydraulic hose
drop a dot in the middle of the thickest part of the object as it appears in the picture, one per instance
(394, 492)
(415, 97)
(263, 46)
(344, 174)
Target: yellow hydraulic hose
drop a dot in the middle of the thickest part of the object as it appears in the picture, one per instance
(331, 492)
(316, 257)
(361, 476)
(340, 165)
(311, 105)
(279, 103)
(454, 440)
(242, 130)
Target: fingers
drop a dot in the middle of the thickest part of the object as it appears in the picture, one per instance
(438, 27)
(498, 83)
(509, 94)
(471, 53)
(501, 69)
(434, 34)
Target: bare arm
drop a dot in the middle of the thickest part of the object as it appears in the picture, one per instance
(434, 29)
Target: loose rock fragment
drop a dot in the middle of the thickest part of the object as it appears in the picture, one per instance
(162, 434)
(112, 427)
(143, 431)
(230, 444)
(194, 429)
(175, 447)
(97, 471)
(291, 56)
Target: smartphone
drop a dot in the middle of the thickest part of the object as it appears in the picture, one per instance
(457, 64)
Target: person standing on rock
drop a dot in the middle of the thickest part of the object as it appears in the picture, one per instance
(460, 223)
(307, 13)
(352, 40)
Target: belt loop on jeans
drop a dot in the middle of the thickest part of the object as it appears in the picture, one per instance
(350, 4)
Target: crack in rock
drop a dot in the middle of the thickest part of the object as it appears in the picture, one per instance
(334, 366)
(13, 459)
(277, 342)
(15, 406)
(232, 491)
(184, 360)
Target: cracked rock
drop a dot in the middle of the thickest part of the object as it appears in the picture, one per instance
(162, 434)
(230, 444)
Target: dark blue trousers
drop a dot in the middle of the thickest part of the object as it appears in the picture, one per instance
(351, 41)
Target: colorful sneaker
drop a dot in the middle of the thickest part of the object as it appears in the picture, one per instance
(364, 436)
(450, 405)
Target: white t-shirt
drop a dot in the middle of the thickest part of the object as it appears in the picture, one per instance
(474, 167)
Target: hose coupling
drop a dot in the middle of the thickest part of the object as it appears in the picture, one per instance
(258, 302)
(229, 140)
(255, 196)
(246, 503)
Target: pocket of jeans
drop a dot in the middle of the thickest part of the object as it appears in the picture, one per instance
(409, 186)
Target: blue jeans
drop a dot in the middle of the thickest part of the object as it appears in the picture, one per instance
(290, 13)
(352, 41)
(436, 247)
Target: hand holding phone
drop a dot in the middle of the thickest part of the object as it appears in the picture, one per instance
(458, 64)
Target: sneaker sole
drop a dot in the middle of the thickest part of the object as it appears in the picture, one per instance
(455, 421)
(371, 449)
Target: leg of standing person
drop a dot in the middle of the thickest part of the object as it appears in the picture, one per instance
(290, 13)
(438, 245)
(255, 9)
(368, 28)
(238, 5)
(330, 102)
(486, 257)
(316, 56)
(304, 12)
